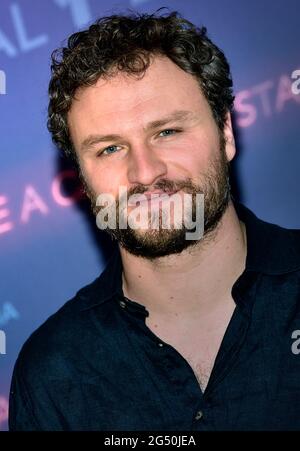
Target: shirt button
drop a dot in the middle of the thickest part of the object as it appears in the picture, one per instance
(199, 415)
(122, 304)
(160, 345)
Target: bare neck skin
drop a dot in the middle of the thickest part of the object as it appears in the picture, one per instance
(194, 284)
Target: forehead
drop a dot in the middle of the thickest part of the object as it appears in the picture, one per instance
(126, 100)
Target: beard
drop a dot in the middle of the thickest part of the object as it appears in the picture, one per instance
(152, 244)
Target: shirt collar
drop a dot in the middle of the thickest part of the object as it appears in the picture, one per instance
(271, 250)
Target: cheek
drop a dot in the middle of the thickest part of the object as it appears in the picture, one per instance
(101, 178)
(193, 155)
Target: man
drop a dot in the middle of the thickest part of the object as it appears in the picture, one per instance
(176, 333)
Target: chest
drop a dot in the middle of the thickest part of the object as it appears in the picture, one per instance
(200, 353)
(198, 345)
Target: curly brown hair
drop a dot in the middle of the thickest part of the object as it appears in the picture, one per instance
(127, 43)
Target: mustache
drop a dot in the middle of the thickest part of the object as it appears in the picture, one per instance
(163, 185)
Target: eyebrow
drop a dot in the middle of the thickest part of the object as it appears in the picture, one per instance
(178, 116)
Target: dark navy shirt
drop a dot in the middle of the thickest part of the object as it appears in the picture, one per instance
(95, 365)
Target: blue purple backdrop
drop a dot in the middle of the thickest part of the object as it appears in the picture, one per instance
(50, 246)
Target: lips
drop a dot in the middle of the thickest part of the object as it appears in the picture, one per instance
(156, 195)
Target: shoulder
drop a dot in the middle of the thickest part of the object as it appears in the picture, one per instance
(52, 358)
(73, 330)
(272, 249)
(59, 338)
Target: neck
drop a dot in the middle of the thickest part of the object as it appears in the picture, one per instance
(196, 281)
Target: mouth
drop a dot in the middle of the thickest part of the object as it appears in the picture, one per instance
(157, 194)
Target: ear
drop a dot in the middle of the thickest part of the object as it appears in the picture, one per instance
(230, 148)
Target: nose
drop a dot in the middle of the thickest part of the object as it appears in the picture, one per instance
(145, 167)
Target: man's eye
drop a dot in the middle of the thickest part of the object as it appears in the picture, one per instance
(168, 132)
(108, 150)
